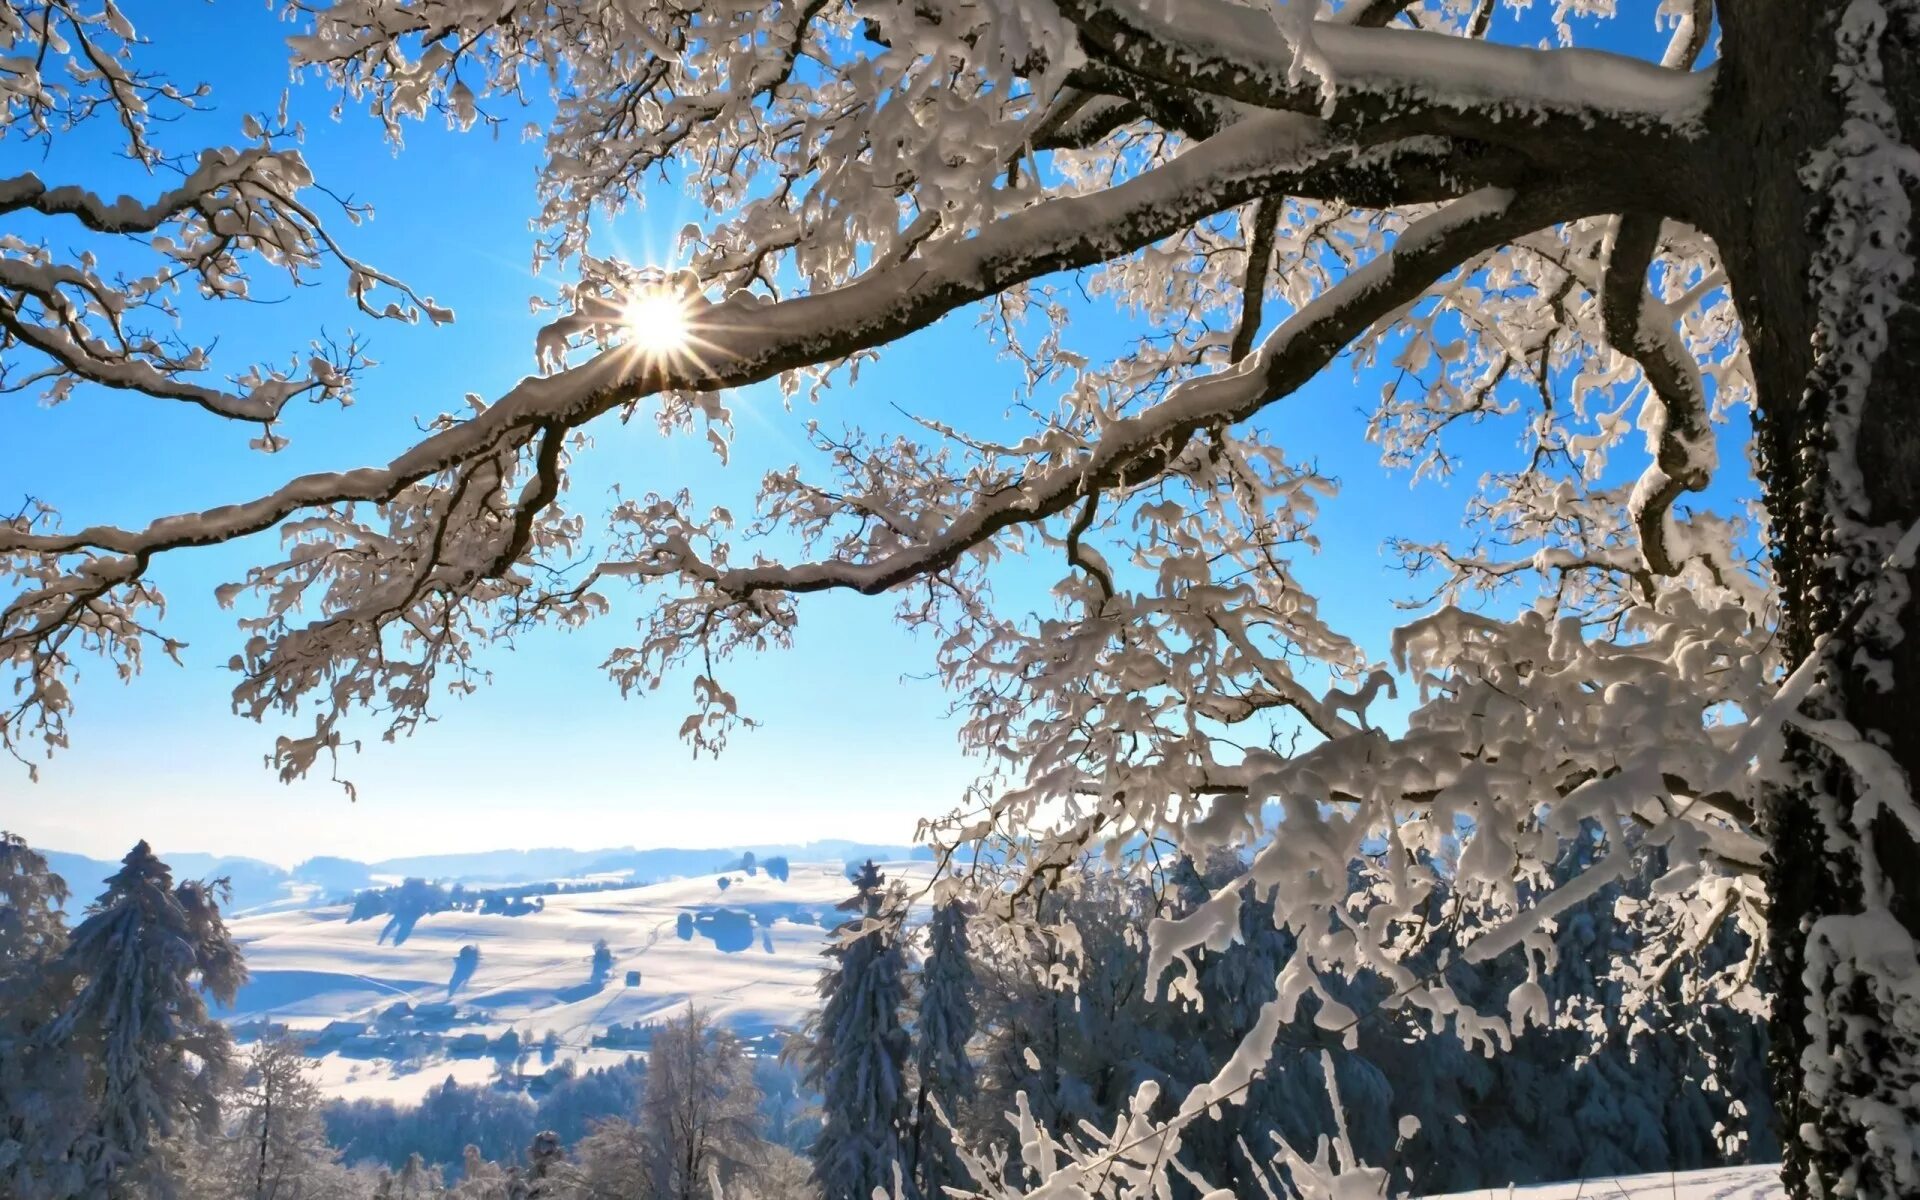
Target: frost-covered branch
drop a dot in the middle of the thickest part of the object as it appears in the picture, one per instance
(1134, 450)
(739, 341)
(77, 311)
(1431, 81)
(1640, 326)
(743, 342)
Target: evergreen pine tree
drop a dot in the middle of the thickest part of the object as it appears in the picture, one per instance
(41, 1093)
(1078, 1052)
(32, 929)
(155, 1059)
(1671, 1086)
(859, 1050)
(943, 1072)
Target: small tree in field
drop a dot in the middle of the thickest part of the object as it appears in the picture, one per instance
(276, 1145)
(1614, 254)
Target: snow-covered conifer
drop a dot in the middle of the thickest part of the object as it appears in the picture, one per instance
(142, 963)
(33, 928)
(858, 1055)
(42, 1091)
(943, 1073)
(274, 1143)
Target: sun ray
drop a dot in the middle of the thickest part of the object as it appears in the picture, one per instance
(658, 322)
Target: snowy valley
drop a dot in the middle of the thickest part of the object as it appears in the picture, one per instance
(388, 1009)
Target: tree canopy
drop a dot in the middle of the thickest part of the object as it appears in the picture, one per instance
(1613, 249)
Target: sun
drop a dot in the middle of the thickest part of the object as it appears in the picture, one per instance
(659, 322)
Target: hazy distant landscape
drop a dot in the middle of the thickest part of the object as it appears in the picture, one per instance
(386, 1013)
(259, 885)
(390, 1020)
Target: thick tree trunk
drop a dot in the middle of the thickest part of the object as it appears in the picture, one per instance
(1810, 148)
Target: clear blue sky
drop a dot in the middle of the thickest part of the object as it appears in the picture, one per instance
(549, 755)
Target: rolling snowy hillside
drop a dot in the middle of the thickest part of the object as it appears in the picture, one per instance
(390, 1013)
(258, 887)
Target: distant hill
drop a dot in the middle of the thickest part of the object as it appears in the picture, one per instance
(255, 884)
(85, 876)
(335, 876)
(261, 886)
(526, 866)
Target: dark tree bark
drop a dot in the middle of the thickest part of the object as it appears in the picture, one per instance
(1846, 1038)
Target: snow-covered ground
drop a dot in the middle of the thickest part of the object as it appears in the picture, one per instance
(749, 952)
(1721, 1183)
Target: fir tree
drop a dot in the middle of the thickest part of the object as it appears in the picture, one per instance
(155, 1059)
(859, 1050)
(32, 929)
(1601, 1090)
(42, 1098)
(944, 1075)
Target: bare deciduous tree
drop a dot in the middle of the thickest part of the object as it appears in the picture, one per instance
(699, 1113)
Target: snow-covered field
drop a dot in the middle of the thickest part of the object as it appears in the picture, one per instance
(1721, 1183)
(749, 952)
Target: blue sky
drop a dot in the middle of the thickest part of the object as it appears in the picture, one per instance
(549, 755)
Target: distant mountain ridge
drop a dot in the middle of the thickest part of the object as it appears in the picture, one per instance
(259, 885)
(254, 882)
(526, 866)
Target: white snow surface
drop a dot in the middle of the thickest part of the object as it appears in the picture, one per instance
(752, 958)
(1760, 1182)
